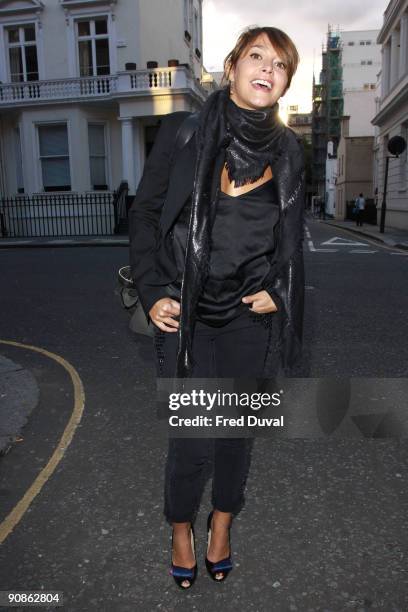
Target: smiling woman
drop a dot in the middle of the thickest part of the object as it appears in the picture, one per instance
(217, 260)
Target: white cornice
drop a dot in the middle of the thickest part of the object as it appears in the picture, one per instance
(67, 4)
(391, 13)
(31, 6)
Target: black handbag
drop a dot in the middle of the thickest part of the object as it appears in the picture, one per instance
(130, 301)
(127, 289)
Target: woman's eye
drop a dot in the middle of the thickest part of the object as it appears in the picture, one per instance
(252, 55)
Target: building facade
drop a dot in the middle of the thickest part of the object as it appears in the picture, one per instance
(84, 84)
(391, 118)
(301, 123)
(354, 170)
(351, 61)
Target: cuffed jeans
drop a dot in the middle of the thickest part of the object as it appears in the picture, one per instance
(245, 347)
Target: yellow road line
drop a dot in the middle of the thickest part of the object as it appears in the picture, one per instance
(21, 507)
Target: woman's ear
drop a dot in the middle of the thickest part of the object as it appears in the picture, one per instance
(229, 71)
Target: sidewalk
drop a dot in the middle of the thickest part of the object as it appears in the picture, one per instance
(395, 238)
(74, 241)
(19, 395)
(392, 237)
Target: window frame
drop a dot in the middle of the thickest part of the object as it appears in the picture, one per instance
(73, 48)
(18, 159)
(93, 37)
(5, 68)
(108, 177)
(40, 180)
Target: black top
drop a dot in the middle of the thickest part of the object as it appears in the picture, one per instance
(242, 244)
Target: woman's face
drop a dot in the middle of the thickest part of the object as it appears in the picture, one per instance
(259, 61)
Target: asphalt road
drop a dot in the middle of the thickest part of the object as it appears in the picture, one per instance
(324, 526)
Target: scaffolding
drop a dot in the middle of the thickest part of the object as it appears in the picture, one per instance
(327, 107)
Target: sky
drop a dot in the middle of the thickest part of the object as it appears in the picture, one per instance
(305, 21)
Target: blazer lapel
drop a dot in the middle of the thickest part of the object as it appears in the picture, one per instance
(180, 184)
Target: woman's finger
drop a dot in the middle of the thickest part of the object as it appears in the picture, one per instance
(162, 325)
(170, 321)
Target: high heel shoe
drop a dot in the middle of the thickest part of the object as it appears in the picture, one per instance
(181, 574)
(224, 566)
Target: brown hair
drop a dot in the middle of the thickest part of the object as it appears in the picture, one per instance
(281, 42)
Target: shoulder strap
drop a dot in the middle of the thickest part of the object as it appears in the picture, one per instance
(185, 131)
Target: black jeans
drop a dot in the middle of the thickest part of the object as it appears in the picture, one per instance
(245, 347)
(359, 218)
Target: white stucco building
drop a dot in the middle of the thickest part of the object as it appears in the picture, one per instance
(83, 85)
(391, 117)
(361, 63)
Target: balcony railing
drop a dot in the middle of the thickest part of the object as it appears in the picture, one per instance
(57, 89)
(135, 82)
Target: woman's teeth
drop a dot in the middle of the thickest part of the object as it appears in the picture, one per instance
(261, 85)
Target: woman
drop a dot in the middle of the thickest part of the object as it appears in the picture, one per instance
(216, 255)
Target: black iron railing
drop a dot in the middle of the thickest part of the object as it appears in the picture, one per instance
(89, 214)
(121, 210)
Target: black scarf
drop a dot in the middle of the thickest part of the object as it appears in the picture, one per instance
(255, 138)
(252, 141)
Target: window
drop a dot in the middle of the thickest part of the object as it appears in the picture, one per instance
(368, 42)
(350, 43)
(196, 41)
(186, 15)
(369, 62)
(19, 161)
(22, 53)
(362, 42)
(93, 47)
(97, 155)
(363, 62)
(54, 157)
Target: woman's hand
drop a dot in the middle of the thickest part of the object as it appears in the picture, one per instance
(162, 313)
(261, 302)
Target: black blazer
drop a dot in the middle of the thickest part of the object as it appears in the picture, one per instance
(161, 194)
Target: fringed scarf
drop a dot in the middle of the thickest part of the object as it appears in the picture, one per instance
(251, 139)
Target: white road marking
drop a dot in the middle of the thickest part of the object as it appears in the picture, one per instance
(313, 249)
(336, 241)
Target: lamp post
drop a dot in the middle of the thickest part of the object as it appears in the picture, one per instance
(396, 146)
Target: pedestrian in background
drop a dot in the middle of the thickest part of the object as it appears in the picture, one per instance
(359, 206)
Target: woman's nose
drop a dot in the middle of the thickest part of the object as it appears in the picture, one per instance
(268, 67)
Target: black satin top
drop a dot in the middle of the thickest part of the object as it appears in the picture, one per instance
(242, 244)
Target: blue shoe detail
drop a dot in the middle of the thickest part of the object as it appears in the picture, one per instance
(177, 570)
(179, 573)
(219, 566)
